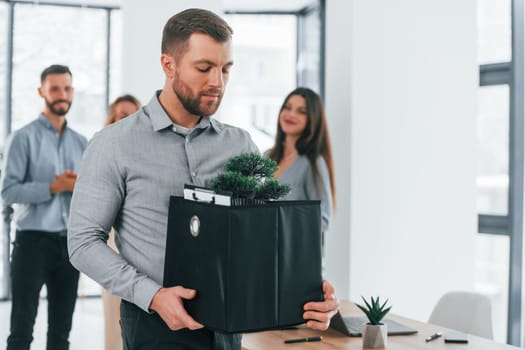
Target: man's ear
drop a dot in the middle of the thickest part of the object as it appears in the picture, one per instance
(40, 92)
(168, 65)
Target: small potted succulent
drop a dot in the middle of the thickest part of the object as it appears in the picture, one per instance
(374, 332)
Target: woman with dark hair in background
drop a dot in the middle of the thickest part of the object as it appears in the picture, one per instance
(303, 153)
(122, 107)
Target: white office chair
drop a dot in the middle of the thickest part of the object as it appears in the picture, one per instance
(466, 312)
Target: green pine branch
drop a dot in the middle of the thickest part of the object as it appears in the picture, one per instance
(272, 189)
(250, 176)
(240, 186)
(252, 164)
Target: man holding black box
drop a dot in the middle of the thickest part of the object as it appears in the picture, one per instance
(130, 170)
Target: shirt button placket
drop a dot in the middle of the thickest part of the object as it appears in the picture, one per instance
(193, 173)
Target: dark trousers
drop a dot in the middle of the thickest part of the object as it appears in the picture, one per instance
(41, 258)
(143, 331)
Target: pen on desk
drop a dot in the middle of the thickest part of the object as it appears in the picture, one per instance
(303, 340)
(433, 336)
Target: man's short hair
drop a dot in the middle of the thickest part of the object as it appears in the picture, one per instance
(181, 26)
(54, 69)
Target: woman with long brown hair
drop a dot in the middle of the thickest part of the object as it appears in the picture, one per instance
(303, 153)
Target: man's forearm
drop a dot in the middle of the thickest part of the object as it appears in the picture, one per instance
(93, 257)
(26, 193)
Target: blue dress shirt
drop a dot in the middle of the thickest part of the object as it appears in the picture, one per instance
(35, 154)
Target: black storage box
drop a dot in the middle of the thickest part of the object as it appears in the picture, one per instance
(253, 266)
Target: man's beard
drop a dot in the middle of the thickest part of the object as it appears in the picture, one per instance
(58, 111)
(193, 103)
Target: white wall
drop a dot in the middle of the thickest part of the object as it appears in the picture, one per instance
(401, 85)
(338, 87)
(142, 34)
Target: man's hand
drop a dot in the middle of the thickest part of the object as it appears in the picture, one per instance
(320, 313)
(167, 302)
(64, 182)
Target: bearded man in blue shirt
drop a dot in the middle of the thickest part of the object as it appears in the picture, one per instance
(39, 175)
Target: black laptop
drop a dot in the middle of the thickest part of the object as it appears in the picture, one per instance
(351, 326)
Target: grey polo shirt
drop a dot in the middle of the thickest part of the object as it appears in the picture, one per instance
(127, 175)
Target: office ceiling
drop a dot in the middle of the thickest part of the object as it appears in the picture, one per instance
(229, 5)
(266, 5)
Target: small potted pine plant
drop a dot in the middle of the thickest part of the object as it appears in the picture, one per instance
(250, 179)
(374, 332)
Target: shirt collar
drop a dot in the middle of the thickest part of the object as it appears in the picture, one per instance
(160, 119)
(43, 119)
(206, 122)
(216, 125)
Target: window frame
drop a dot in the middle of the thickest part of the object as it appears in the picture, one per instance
(512, 74)
(320, 7)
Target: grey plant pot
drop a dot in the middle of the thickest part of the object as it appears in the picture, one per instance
(374, 336)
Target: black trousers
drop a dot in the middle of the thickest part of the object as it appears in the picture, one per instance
(41, 258)
(144, 331)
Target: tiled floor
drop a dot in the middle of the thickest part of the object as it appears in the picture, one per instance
(87, 332)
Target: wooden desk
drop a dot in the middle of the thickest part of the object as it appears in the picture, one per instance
(335, 340)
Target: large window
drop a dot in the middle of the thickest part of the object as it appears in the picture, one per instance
(264, 73)
(288, 53)
(494, 28)
(493, 143)
(500, 163)
(115, 71)
(4, 22)
(492, 278)
(310, 53)
(77, 35)
(4, 238)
